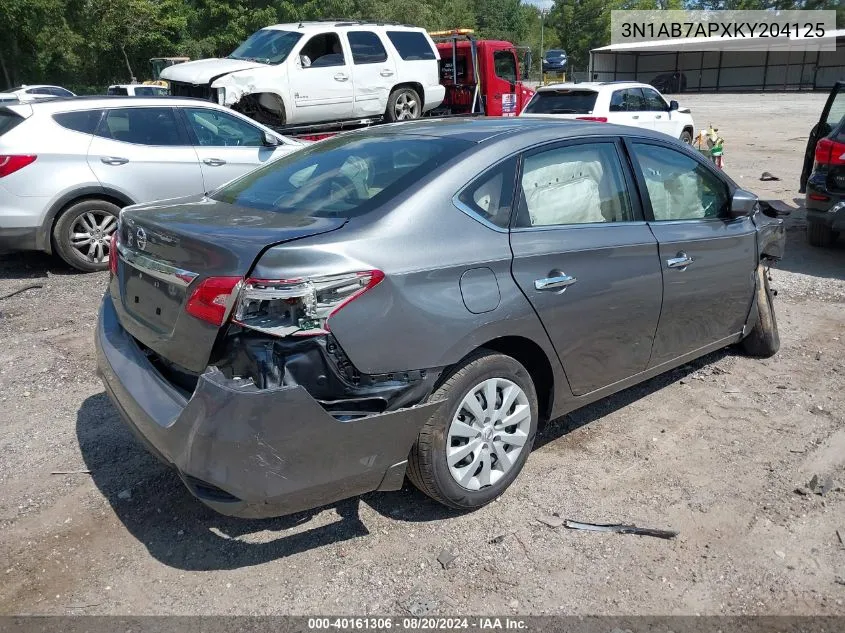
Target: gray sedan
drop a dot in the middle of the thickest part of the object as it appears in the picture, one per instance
(416, 299)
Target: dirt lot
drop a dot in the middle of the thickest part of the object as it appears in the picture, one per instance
(714, 450)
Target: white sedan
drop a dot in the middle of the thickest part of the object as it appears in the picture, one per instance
(623, 103)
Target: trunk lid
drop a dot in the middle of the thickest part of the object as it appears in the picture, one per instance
(168, 248)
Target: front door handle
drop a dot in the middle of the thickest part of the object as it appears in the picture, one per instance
(557, 280)
(658, 116)
(635, 116)
(680, 261)
(214, 162)
(386, 73)
(341, 77)
(114, 160)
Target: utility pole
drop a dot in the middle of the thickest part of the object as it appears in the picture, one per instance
(543, 12)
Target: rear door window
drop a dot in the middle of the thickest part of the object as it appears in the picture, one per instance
(562, 102)
(411, 45)
(366, 47)
(84, 121)
(142, 126)
(8, 120)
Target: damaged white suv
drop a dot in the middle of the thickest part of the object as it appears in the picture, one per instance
(316, 72)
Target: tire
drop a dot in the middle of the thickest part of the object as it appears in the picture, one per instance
(764, 340)
(819, 234)
(428, 466)
(97, 218)
(686, 137)
(404, 104)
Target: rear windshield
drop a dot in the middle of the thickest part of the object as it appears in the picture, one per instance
(411, 45)
(8, 120)
(562, 102)
(118, 90)
(346, 176)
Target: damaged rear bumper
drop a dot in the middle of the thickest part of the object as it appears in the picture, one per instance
(252, 452)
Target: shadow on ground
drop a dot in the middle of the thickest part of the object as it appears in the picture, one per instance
(156, 508)
(33, 265)
(802, 258)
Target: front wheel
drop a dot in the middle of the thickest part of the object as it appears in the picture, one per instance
(764, 339)
(82, 235)
(404, 104)
(686, 137)
(469, 452)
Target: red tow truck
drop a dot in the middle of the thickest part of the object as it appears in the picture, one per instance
(482, 78)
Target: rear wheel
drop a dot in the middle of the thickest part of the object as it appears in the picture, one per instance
(403, 105)
(819, 234)
(82, 235)
(469, 452)
(763, 340)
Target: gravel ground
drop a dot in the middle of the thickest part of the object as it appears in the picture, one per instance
(715, 449)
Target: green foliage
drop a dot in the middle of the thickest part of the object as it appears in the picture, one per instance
(87, 44)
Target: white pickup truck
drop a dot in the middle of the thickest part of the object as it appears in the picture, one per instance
(313, 72)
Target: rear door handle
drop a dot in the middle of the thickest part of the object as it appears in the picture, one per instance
(386, 73)
(214, 162)
(635, 116)
(680, 261)
(341, 77)
(658, 116)
(561, 280)
(114, 160)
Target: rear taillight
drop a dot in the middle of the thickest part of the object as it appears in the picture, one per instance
(598, 119)
(11, 164)
(830, 152)
(211, 300)
(299, 307)
(113, 253)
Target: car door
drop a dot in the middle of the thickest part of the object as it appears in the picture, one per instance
(145, 153)
(320, 81)
(227, 146)
(373, 73)
(833, 111)
(628, 107)
(501, 84)
(587, 261)
(658, 110)
(708, 260)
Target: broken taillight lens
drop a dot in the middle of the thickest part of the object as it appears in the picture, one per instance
(210, 301)
(299, 307)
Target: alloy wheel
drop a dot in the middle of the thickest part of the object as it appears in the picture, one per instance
(487, 433)
(407, 107)
(91, 234)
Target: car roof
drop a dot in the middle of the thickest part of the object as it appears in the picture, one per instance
(483, 129)
(322, 25)
(596, 86)
(69, 104)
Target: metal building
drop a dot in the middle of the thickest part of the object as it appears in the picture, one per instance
(683, 66)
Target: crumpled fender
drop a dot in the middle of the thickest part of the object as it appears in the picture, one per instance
(771, 236)
(252, 81)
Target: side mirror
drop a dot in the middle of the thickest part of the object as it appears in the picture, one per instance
(743, 204)
(270, 140)
(673, 105)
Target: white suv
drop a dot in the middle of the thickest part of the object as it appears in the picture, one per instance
(67, 166)
(623, 103)
(315, 72)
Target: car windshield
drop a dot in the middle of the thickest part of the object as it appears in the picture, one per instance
(267, 46)
(554, 53)
(346, 176)
(562, 102)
